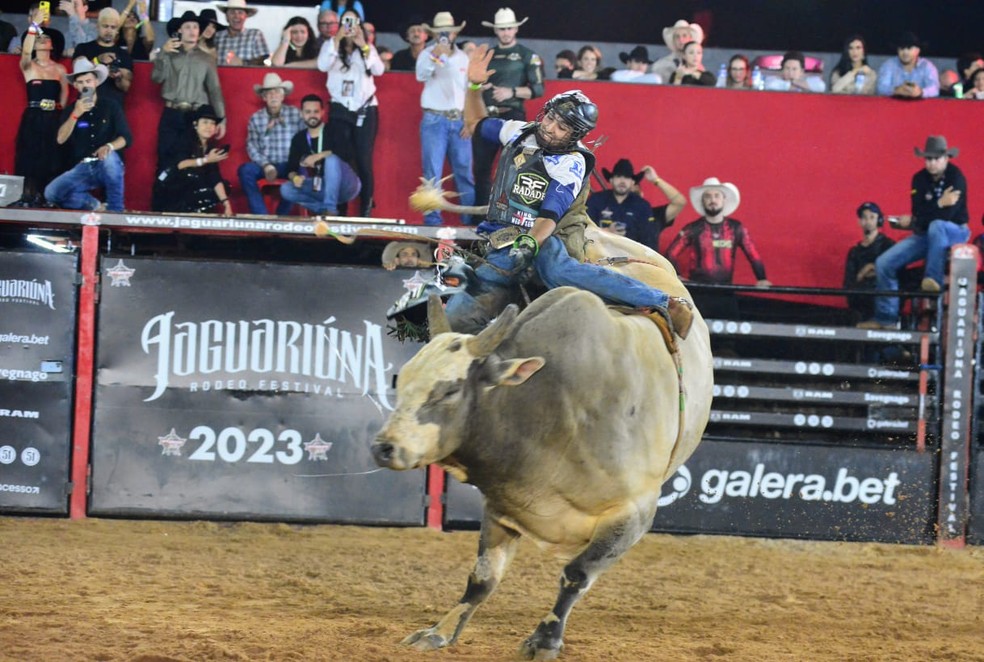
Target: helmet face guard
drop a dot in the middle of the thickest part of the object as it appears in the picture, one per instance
(574, 109)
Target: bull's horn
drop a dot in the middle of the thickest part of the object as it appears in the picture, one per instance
(488, 340)
(437, 319)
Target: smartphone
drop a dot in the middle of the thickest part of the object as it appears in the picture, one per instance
(87, 93)
(45, 8)
(893, 220)
(225, 148)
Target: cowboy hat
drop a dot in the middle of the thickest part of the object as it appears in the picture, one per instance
(732, 198)
(695, 30)
(188, 17)
(208, 16)
(236, 4)
(444, 22)
(272, 81)
(623, 168)
(935, 147)
(505, 18)
(205, 111)
(394, 247)
(83, 65)
(637, 54)
(415, 19)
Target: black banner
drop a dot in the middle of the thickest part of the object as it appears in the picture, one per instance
(247, 391)
(975, 528)
(788, 491)
(37, 346)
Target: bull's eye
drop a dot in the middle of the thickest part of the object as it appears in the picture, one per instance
(443, 392)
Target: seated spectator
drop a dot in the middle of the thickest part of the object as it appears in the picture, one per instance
(739, 72)
(318, 179)
(95, 130)
(676, 37)
(107, 51)
(950, 85)
(624, 211)
(297, 47)
(405, 255)
(413, 33)
(967, 64)
(137, 30)
(851, 74)
(193, 183)
(564, 64)
(239, 45)
(938, 221)
(908, 76)
(327, 26)
(269, 134)
(976, 90)
(589, 65)
(793, 77)
(637, 62)
(211, 27)
(691, 71)
(859, 268)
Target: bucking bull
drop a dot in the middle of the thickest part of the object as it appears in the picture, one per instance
(568, 417)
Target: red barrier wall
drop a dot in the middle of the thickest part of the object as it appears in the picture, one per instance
(803, 163)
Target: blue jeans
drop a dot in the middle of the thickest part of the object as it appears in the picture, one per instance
(440, 136)
(470, 311)
(70, 190)
(932, 246)
(339, 184)
(249, 173)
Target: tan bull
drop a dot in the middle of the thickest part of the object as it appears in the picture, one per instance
(567, 417)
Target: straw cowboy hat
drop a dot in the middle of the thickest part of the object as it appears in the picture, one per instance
(444, 22)
(935, 147)
(272, 81)
(394, 247)
(237, 4)
(695, 30)
(84, 65)
(623, 168)
(731, 196)
(505, 18)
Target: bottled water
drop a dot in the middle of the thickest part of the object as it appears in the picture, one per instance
(722, 75)
(758, 82)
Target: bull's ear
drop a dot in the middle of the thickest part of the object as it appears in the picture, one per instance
(516, 371)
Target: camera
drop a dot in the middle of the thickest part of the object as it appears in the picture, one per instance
(444, 38)
(350, 22)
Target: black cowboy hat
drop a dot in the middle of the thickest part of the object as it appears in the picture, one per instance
(188, 17)
(623, 168)
(415, 19)
(210, 16)
(935, 147)
(206, 111)
(639, 54)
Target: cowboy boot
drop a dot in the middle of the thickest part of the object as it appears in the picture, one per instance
(681, 313)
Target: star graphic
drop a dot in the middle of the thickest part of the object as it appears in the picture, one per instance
(415, 282)
(171, 443)
(120, 273)
(318, 448)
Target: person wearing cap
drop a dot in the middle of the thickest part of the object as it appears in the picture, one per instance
(106, 50)
(676, 37)
(442, 68)
(859, 267)
(637, 64)
(240, 45)
(95, 130)
(405, 255)
(188, 80)
(268, 137)
(518, 76)
(938, 220)
(193, 183)
(908, 76)
(416, 37)
(705, 249)
(622, 210)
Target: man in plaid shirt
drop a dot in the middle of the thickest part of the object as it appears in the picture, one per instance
(240, 45)
(268, 142)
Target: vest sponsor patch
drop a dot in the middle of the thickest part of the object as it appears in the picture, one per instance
(529, 187)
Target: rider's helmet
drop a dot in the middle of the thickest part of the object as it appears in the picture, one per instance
(574, 109)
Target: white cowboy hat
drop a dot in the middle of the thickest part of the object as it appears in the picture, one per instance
(236, 4)
(695, 30)
(83, 65)
(505, 18)
(732, 198)
(271, 81)
(394, 247)
(444, 22)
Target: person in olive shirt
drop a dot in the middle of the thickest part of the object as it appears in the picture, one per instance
(95, 130)
(938, 221)
(518, 76)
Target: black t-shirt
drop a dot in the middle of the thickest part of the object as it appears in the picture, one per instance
(104, 123)
(302, 144)
(116, 55)
(403, 61)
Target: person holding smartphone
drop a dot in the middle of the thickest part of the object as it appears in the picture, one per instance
(95, 131)
(193, 183)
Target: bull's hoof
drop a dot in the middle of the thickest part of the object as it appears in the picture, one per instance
(535, 648)
(426, 640)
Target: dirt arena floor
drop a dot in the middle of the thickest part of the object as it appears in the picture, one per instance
(167, 591)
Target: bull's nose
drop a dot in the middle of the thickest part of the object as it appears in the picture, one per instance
(383, 452)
